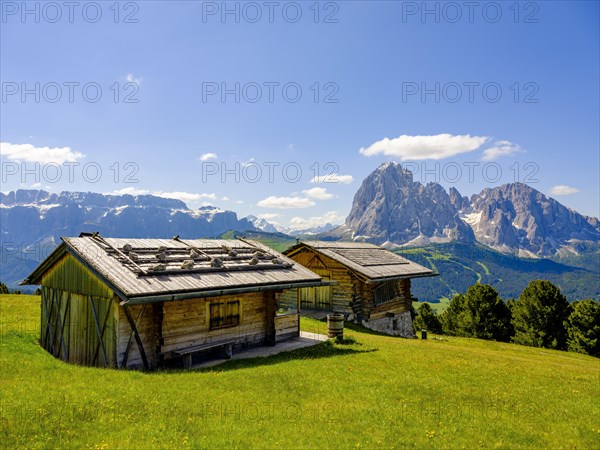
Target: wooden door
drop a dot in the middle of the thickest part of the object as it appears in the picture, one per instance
(317, 297)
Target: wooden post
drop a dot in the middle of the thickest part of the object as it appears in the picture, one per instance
(66, 319)
(158, 315)
(101, 343)
(49, 347)
(134, 334)
(271, 310)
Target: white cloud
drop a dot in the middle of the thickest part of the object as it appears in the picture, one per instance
(239, 202)
(132, 79)
(251, 161)
(499, 149)
(329, 217)
(438, 146)
(562, 189)
(42, 155)
(291, 147)
(268, 216)
(318, 193)
(185, 196)
(225, 198)
(41, 186)
(285, 202)
(333, 178)
(207, 156)
(129, 191)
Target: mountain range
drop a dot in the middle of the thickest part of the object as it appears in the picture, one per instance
(393, 210)
(32, 222)
(263, 225)
(389, 208)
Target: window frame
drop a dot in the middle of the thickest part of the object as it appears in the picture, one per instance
(225, 319)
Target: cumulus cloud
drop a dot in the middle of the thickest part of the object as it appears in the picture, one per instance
(132, 79)
(563, 189)
(129, 191)
(333, 178)
(308, 222)
(285, 202)
(185, 196)
(437, 146)
(268, 216)
(207, 156)
(42, 155)
(318, 193)
(499, 149)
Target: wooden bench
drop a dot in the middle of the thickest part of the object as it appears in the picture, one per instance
(187, 353)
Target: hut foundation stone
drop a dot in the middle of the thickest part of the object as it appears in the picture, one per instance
(396, 325)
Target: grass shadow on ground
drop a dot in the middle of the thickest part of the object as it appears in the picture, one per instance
(327, 349)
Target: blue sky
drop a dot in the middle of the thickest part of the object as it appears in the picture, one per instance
(470, 99)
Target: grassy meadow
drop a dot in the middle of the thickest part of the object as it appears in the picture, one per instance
(372, 391)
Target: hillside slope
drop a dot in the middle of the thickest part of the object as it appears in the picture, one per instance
(377, 392)
(461, 266)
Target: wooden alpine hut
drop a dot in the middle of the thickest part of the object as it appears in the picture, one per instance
(373, 284)
(145, 303)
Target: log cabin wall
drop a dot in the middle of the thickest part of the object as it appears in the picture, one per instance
(288, 300)
(287, 327)
(186, 323)
(79, 315)
(342, 293)
(287, 321)
(130, 355)
(401, 303)
(391, 317)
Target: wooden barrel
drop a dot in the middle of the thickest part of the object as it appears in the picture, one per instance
(335, 325)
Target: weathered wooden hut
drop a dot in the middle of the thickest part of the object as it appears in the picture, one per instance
(140, 303)
(373, 284)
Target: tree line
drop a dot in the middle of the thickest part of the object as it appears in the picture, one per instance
(5, 290)
(541, 317)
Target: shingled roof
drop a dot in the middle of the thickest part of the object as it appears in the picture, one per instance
(147, 270)
(371, 261)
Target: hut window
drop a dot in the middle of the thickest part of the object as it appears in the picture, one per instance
(224, 314)
(385, 292)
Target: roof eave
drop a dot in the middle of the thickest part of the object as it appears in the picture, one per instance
(400, 277)
(169, 297)
(34, 277)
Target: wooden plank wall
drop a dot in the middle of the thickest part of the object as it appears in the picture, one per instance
(69, 275)
(186, 323)
(71, 329)
(342, 292)
(402, 303)
(148, 332)
(287, 327)
(288, 299)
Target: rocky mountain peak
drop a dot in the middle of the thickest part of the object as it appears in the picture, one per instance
(390, 206)
(513, 218)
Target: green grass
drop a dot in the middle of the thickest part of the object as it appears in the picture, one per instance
(373, 391)
(438, 307)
